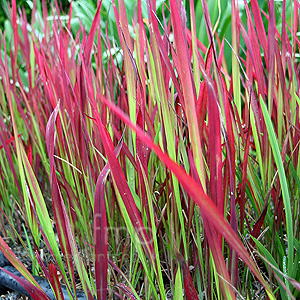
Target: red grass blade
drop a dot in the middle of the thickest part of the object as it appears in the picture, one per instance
(189, 288)
(100, 231)
(271, 55)
(259, 27)
(55, 282)
(16, 38)
(90, 40)
(10, 140)
(63, 225)
(253, 46)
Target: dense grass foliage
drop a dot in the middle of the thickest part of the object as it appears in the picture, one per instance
(152, 156)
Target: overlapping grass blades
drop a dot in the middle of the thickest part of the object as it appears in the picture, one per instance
(146, 161)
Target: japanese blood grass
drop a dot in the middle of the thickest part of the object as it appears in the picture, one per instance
(160, 165)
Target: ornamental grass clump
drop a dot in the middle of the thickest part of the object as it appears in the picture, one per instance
(152, 158)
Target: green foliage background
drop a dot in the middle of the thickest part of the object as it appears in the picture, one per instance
(27, 4)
